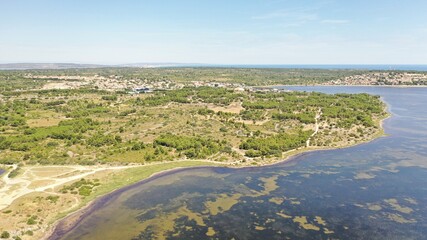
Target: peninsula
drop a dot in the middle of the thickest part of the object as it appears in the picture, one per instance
(69, 136)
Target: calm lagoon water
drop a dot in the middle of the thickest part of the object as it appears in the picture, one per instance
(376, 190)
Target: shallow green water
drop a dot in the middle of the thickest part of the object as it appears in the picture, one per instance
(376, 190)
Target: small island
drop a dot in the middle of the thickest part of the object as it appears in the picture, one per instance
(69, 136)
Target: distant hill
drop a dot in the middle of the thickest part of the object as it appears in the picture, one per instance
(24, 66)
(29, 66)
(156, 65)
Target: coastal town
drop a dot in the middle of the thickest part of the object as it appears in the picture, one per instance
(382, 79)
(113, 83)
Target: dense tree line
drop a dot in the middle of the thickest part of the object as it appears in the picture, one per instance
(192, 147)
(251, 114)
(274, 145)
(220, 96)
(13, 113)
(347, 109)
(302, 117)
(99, 139)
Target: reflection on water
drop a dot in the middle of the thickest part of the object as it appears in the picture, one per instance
(376, 190)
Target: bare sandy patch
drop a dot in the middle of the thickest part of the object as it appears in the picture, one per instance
(44, 122)
(40, 183)
(41, 179)
(64, 85)
(49, 171)
(235, 107)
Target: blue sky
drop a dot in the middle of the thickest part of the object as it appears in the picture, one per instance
(219, 32)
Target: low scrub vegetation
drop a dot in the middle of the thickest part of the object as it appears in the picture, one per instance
(90, 126)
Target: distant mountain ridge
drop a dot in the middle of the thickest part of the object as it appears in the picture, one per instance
(154, 65)
(29, 66)
(24, 66)
(53, 66)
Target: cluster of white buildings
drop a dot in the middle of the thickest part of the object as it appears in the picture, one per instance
(382, 78)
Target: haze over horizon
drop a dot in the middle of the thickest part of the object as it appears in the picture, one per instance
(214, 32)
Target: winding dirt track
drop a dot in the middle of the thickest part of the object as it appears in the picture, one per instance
(316, 128)
(43, 179)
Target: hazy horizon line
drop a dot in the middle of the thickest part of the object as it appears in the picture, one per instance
(201, 63)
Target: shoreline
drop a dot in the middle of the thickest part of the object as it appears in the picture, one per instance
(326, 85)
(80, 214)
(72, 219)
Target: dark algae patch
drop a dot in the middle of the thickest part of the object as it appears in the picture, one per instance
(371, 191)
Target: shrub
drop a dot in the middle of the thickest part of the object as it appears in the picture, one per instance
(14, 172)
(5, 234)
(52, 199)
(85, 190)
(109, 98)
(32, 220)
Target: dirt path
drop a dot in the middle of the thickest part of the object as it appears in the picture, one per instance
(44, 178)
(316, 126)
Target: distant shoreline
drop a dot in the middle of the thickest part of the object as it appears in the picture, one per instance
(339, 67)
(276, 86)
